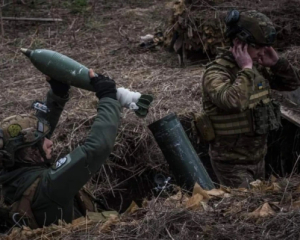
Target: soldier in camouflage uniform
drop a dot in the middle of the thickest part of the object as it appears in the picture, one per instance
(236, 97)
(37, 192)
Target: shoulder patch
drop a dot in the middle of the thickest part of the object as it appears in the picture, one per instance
(14, 130)
(60, 162)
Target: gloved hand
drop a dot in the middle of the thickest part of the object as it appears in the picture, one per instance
(127, 98)
(60, 89)
(104, 86)
(135, 101)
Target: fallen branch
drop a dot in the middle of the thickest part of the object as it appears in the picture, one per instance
(2, 28)
(33, 19)
(4, 5)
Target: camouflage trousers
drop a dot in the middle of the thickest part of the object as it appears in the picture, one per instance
(238, 159)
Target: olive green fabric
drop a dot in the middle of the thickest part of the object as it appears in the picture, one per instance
(23, 206)
(14, 183)
(227, 90)
(56, 105)
(143, 104)
(54, 196)
(260, 27)
(239, 175)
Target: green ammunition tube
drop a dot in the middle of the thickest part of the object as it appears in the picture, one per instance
(60, 67)
(67, 70)
(180, 154)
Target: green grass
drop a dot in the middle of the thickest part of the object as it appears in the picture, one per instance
(38, 43)
(76, 6)
(97, 24)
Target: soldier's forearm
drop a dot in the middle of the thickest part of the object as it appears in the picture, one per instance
(227, 95)
(55, 104)
(285, 76)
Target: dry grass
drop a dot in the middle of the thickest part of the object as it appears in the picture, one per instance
(232, 215)
(105, 37)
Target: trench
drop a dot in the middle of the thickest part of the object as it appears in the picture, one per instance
(281, 161)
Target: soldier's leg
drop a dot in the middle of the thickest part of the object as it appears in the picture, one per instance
(259, 169)
(238, 175)
(233, 175)
(238, 160)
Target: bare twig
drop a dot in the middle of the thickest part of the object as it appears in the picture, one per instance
(2, 28)
(107, 177)
(169, 234)
(32, 19)
(5, 5)
(293, 171)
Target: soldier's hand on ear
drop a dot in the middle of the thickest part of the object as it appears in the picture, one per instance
(241, 55)
(104, 86)
(269, 58)
(58, 88)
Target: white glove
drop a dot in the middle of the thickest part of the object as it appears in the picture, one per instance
(127, 98)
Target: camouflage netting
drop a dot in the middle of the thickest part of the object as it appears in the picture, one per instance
(198, 25)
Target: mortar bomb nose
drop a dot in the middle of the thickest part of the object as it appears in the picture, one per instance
(26, 51)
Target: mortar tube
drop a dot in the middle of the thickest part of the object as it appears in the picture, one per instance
(181, 156)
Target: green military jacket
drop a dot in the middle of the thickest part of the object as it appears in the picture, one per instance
(58, 185)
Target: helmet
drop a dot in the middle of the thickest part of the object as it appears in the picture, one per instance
(251, 27)
(20, 131)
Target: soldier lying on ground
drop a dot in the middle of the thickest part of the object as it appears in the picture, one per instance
(237, 100)
(38, 192)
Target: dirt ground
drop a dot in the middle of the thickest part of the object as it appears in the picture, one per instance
(105, 35)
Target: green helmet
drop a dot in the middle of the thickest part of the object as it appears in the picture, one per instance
(251, 27)
(17, 132)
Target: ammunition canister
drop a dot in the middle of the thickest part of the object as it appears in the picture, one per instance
(60, 67)
(67, 70)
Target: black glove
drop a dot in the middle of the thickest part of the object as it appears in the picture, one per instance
(60, 89)
(104, 86)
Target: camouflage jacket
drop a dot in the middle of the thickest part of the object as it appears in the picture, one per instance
(227, 89)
